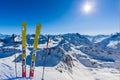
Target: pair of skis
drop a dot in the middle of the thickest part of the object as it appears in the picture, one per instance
(36, 40)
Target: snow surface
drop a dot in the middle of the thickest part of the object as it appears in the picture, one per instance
(113, 44)
(97, 38)
(73, 57)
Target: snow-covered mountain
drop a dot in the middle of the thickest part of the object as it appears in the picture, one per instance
(71, 57)
(112, 42)
(97, 38)
(3, 36)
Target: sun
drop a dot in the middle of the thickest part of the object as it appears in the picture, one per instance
(87, 7)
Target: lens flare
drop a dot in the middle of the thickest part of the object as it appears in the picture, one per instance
(87, 7)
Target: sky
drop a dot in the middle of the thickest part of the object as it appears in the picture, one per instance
(60, 16)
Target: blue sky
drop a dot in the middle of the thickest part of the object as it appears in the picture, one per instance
(59, 16)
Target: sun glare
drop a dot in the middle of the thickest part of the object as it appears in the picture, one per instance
(87, 7)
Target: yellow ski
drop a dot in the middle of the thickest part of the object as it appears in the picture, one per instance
(38, 28)
(23, 49)
(36, 40)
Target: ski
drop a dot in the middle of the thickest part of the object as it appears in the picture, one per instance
(36, 40)
(23, 49)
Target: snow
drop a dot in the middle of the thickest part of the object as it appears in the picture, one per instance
(73, 57)
(79, 72)
(112, 44)
(97, 38)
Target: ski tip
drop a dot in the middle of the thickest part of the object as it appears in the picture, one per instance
(23, 23)
(39, 25)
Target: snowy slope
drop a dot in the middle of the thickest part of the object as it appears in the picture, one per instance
(72, 57)
(97, 38)
(112, 42)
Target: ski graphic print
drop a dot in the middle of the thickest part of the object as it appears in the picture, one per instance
(36, 40)
(23, 49)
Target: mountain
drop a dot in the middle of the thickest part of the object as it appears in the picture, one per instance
(71, 56)
(97, 38)
(112, 42)
(3, 36)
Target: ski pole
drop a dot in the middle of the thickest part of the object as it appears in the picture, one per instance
(45, 58)
(13, 37)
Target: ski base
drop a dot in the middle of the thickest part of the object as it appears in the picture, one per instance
(23, 68)
(31, 73)
(32, 67)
